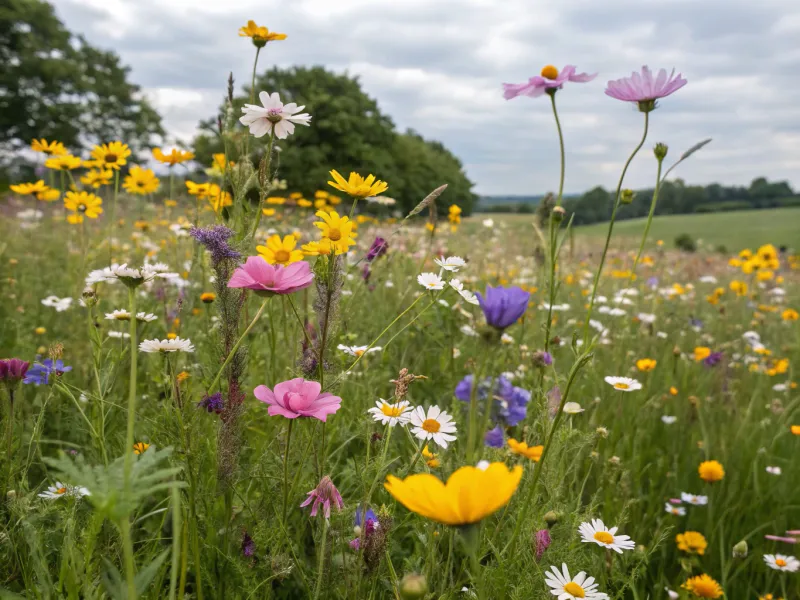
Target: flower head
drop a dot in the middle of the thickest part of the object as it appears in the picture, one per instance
(533, 453)
(377, 249)
(13, 370)
(174, 157)
(598, 533)
(40, 373)
(494, 438)
(97, 178)
(213, 403)
(140, 181)
(580, 587)
(358, 186)
(782, 562)
(623, 384)
(430, 281)
(66, 162)
(451, 263)
(260, 35)
(280, 251)
(434, 425)
(503, 306)
(694, 499)
(111, 156)
(336, 230)
(140, 447)
(274, 117)
(467, 295)
(678, 511)
(646, 364)
(711, 470)
(470, 494)
(298, 398)
(28, 189)
(691, 542)
(84, 204)
(326, 495)
(215, 239)
(643, 89)
(541, 542)
(549, 81)
(703, 586)
(162, 346)
(62, 490)
(390, 414)
(50, 148)
(265, 279)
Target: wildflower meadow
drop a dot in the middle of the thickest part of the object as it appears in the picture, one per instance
(218, 387)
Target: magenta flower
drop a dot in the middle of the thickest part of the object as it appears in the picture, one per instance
(549, 81)
(13, 370)
(265, 279)
(325, 494)
(643, 89)
(298, 398)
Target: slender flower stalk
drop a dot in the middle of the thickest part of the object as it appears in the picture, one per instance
(661, 154)
(125, 524)
(611, 226)
(286, 472)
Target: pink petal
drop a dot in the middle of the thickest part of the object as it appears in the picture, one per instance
(310, 388)
(276, 409)
(265, 394)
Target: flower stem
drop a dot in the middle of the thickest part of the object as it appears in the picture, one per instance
(611, 227)
(9, 441)
(286, 472)
(131, 391)
(649, 216)
(127, 550)
(236, 345)
(321, 564)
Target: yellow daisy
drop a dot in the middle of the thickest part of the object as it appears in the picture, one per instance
(339, 230)
(358, 186)
(49, 148)
(84, 203)
(174, 157)
(280, 252)
(48, 195)
(260, 35)
(140, 181)
(320, 248)
(200, 190)
(65, 162)
(28, 189)
(97, 178)
(112, 155)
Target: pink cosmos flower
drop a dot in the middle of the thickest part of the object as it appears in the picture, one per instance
(550, 79)
(325, 494)
(298, 398)
(266, 279)
(643, 89)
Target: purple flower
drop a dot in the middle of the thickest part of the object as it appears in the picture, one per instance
(248, 545)
(377, 249)
(542, 542)
(40, 373)
(324, 494)
(652, 282)
(215, 239)
(213, 403)
(511, 402)
(365, 273)
(494, 437)
(549, 81)
(370, 523)
(696, 323)
(542, 359)
(643, 89)
(13, 370)
(712, 359)
(503, 306)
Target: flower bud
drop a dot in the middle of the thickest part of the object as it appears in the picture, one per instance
(413, 586)
(551, 518)
(558, 213)
(626, 196)
(740, 550)
(542, 359)
(660, 151)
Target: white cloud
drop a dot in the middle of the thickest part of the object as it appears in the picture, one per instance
(437, 65)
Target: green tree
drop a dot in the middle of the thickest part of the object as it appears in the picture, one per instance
(55, 85)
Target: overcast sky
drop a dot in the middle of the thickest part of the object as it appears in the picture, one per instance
(437, 66)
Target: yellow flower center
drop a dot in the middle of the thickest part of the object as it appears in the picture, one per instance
(81, 207)
(110, 158)
(61, 490)
(358, 352)
(391, 411)
(431, 425)
(705, 589)
(550, 72)
(334, 235)
(604, 537)
(780, 562)
(574, 589)
(621, 386)
(282, 256)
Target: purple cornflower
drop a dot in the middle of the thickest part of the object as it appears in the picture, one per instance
(542, 359)
(542, 542)
(370, 523)
(652, 282)
(13, 370)
(494, 438)
(248, 545)
(511, 402)
(712, 359)
(213, 403)
(502, 306)
(377, 249)
(215, 239)
(548, 81)
(643, 89)
(324, 494)
(40, 373)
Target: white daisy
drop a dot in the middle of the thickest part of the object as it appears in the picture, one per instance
(488, 223)
(678, 511)
(568, 588)
(59, 490)
(274, 114)
(628, 292)
(661, 334)
(172, 345)
(430, 281)
(179, 230)
(782, 562)
(451, 263)
(623, 384)
(646, 317)
(383, 200)
(572, 408)
(693, 499)
(129, 275)
(465, 294)
(124, 315)
(597, 532)
(506, 339)
(668, 419)
(708, 279)
(774, 470)
(467, 330)
(779, 387)
(60, 304)
(436, 425)
(617, 312)
(358, 350)
(30, 215)
(391, 414)
(118, 334)
(555, 307)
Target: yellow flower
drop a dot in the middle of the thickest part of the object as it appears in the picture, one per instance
(140, 181)
(430, 227)
(83, 203)
(735, 262)
(40, 331)
(321, 195)
(673, 391)
(48, 195)
(27, 189)
(765, 275)
(767, 253)
(703, 586)
(692, 542)
(182, 376)
(51, 148)
(65, 162)
(454, 214)
(112, 155)
(357, 186)
(339, 230)
(97, 178)
(470, 494)
(280, 252)
(218, 163)
(534, 453)
(268, 212)
(260, 35)
(334, 200)
(795, 429)
(745, 254)
(790, 314)
(140, 447)
(277, 200)
(646, 364)
(74, 218)
(218, 198)
(207, 297)
(701, 353)
(174, 157)
(711, 470)
(170, 203)
(431, 459)
(322, 247)
(200, 190)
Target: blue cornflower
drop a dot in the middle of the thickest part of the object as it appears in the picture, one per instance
(712, 359)
(503, 306)
(213, 403)
(511, 402)
(494, 437)
(40, 372)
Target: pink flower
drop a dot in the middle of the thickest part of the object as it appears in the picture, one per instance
(325, 494)
(266, 279)
(643, 89)
(550, 79)
(778, 538)
(298, 398)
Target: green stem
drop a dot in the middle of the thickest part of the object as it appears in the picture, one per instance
(131, 392)
(176, 540)
(649, 216)
(286, 472)
(127, 550)
(253, 78)
(9, 441)
(561, 146)
(236, 345)
(321, 564)
(611, 227)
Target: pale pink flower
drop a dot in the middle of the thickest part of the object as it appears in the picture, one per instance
(274, 114)
(644, 89)
(266, 279)
(325, 494)
(298, 398)
(550, 79)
